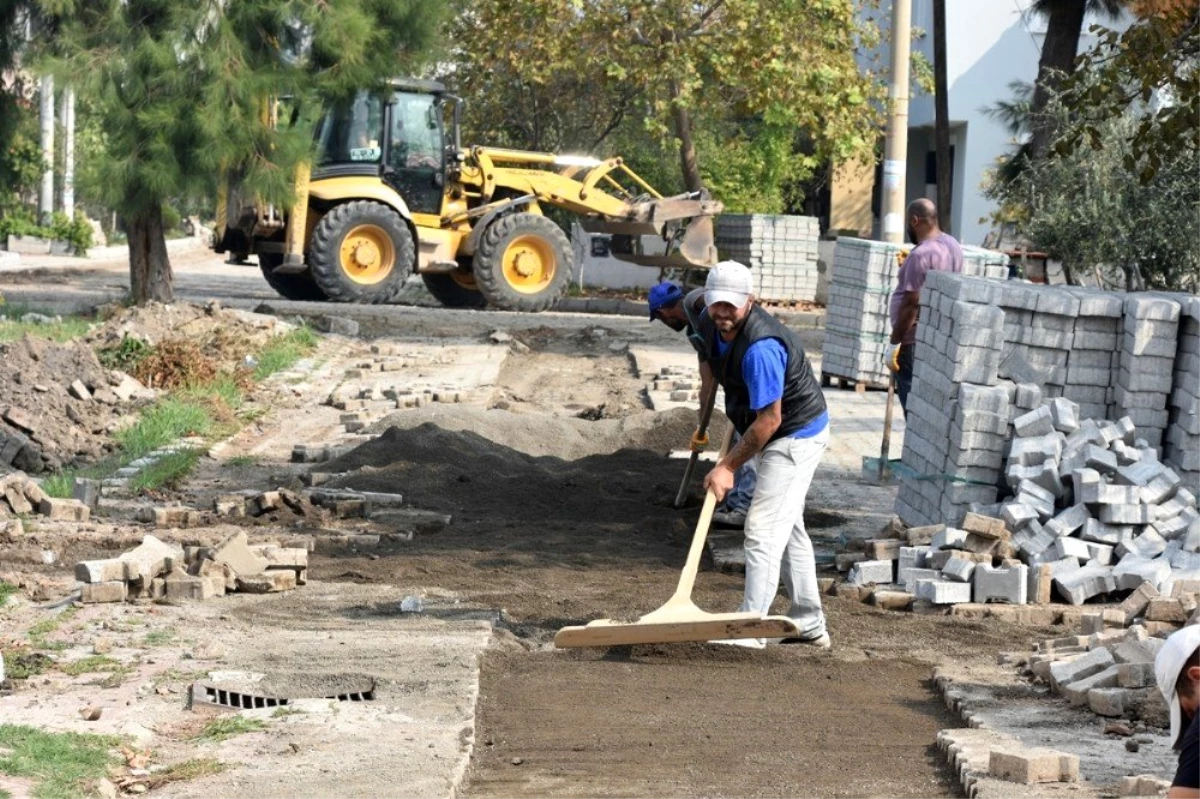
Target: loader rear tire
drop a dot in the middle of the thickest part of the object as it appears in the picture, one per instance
(451, 292)
(290, 287)
(362, 252)
(523, 263)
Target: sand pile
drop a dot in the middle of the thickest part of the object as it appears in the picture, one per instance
(523, 466)
(561, 437)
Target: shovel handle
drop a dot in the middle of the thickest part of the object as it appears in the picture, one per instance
(705, 417)
(687, 578)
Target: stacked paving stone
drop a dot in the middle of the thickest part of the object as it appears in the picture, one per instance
(857, 327)
(781, 252)
(1147, 362)
(957, 421)
(979, 262)
(158, 570)
(1182, 445)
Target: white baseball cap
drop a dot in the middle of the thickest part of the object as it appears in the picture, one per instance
(1167, 665)
(728, 282)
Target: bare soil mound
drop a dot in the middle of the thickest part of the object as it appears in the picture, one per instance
(43, 426)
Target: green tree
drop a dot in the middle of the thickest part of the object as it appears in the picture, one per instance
(180, 89)
(659, 65)
(1064, 24)
(1152, 71)
(1086, 208)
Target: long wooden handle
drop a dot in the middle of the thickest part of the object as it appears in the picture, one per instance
(705, 418)
(687, 578)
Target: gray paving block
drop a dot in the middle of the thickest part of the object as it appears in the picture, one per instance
(1143, 305)
(878, 572)
(1068, 521)
(958, 569)
(943, 592)
(1037, 422)
(1008, 584)
(1082, 667)
(1081, 585)
(1133, 570)
(1126, 514)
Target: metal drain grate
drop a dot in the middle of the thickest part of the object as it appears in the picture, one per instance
(205, 693)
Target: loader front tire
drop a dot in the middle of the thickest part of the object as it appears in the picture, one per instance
(290, 287)
(449, 290)
(361, 252)
(523, 263)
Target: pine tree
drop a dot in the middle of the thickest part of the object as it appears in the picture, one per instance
(181, 88)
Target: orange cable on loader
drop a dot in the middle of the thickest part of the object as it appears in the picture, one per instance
(678, 620)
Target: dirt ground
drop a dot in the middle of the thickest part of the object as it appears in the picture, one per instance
(560, 496)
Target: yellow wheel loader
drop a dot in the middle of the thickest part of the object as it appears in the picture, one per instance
(392, 192)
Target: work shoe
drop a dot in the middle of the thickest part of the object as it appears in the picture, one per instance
(729, 518)
(821, 641)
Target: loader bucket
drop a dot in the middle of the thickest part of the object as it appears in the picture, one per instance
(683, 227)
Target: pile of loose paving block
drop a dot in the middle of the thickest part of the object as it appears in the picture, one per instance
(781, 252)
(157, 570)
(1092, 513)
(990, 353)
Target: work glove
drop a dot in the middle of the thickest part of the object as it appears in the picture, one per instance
(892, 359)
(699, 440)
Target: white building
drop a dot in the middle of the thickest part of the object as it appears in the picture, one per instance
(989, 45)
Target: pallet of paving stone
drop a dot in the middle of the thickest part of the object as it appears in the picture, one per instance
(857, 329)
(781, 252)
(846, 383)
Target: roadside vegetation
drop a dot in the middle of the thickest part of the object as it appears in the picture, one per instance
(203, 401)
(18, 321)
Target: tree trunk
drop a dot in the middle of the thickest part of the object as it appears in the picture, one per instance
(941, 126)
(150, 278)
(688, 165)
(1063, 25)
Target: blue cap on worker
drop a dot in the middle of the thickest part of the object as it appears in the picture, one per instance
(663, 295)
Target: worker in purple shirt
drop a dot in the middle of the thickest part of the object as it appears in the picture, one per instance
(934, 250)
(776, 404)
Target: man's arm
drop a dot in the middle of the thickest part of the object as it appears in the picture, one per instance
(756, 436)
(907, 316)
(720, 479)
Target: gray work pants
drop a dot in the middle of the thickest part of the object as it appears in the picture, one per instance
(775, 534)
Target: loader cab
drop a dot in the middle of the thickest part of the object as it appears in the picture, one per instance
(399, 137)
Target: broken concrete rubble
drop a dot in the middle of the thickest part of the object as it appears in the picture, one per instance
(157, 570)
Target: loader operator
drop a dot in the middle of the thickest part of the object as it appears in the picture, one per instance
(777, 406)
(684, 314)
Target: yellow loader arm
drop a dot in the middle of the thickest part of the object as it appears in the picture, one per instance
(608, 196)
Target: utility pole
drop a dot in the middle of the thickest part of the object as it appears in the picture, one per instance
(67, 112)
(46, 200)
(941, 122)
(895, 158)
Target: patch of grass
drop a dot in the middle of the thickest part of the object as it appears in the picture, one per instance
(166, 472)
(228, 727)
(7, 590)
(284, 712)
(93, 664)
(282, 351)
(5, 794)
(192, 769)
(38, 632)
(23, 665)
(240, 461)
(12, 328)
(159, 637)
(60, 764)
(162, 423)
(60, 485)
